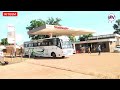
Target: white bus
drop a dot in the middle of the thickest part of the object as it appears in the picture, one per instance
(49, 47)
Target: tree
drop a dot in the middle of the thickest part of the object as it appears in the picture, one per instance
(35, 24)
(40, 22)
(85, 37)
(72, 38)
(4, 41)
(52, 21)
(117, 27)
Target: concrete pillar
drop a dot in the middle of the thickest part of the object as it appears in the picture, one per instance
(50, 35)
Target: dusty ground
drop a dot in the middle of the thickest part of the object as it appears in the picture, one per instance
(78, 66)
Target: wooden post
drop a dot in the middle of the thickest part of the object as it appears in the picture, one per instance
(21, 53)
(29, 53)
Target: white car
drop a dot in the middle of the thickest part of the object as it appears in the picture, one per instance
(117, 49)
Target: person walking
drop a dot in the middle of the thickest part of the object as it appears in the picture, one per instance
(89, 51)
(99, 50)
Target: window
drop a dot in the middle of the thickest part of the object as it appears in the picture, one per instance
(103, 45)
(48, 42)
(35, 44)
(39, 43)
(31, 44)
(27, 45)
(58, 43)
(54, 41)
(24, 45)
(42, 43)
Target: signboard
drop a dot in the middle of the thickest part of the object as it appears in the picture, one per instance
(11, 34)
(60, 27)
(10, 13)
(56, 27)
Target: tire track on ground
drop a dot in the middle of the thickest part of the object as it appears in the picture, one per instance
(63, 69)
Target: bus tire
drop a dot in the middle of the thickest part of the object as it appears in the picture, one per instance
(63, 56)
(33, 56)
(53, 55)
(6, 62)
(25, 56)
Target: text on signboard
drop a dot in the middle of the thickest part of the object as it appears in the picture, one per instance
(59, 27)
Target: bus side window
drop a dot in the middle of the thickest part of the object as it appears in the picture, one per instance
(50, 42)
(54, 41)
(36, 44)
(43, 43)
(27, 45)
(47, 43)
(39, 44)
(31, 44)
(58, 43)
(24, 45)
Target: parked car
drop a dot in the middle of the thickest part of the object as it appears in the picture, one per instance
(117, 49)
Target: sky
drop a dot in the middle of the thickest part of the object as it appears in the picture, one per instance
(93, 20)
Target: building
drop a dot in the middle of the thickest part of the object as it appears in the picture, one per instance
(108, 42)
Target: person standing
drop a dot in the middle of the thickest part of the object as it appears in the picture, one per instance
(99, 50)
(2, 58)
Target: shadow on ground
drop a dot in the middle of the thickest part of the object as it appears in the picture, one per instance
(45, 58)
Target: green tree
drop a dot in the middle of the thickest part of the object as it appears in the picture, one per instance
(35, 24)
(52, 21)
(72, 38)
(40, 22)
(85, 37)
(4, 41)
(117, 27)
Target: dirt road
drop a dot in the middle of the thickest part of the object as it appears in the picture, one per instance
(78, 66)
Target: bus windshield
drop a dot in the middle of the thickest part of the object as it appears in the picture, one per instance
(66, 44)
